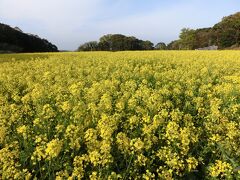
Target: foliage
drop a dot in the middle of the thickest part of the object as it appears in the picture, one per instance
(204, 38)
(14, 40)
(117, 42)
(227, 32)
(160, 46)
(187, 39)
(89, 46)
(224, 34)
(174, 45)
(122, 115)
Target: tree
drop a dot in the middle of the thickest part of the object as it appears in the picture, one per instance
(119, 42)
(89, 46)
(187, 39)
(14, 40)
(174, 45)
(227, 32)
(160, 46)
(204, 37)
(105, 43)
(146, 45)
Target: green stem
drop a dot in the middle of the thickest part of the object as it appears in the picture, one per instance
(130, 161)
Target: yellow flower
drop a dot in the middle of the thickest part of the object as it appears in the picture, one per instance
(23, 131)
(221, 169)
(137, 144)
(192, 163)
(95, 157)
(148, 175)
(141, 160)
(94, 176)
(172, 131)
(3, 133)
(215, 138)
(66, 106)
(73, 133)
(78, 163)
(123, 142)
(54, 147)
(48, 111)
(37, 122)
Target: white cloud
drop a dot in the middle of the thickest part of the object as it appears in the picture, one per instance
(159, 25)
(49, 10)
(164, 24)
(67, 23)
(59, 18)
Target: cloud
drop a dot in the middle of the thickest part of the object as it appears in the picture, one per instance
(49, 10)
(57, 19)
(164, 23)
(68, 23)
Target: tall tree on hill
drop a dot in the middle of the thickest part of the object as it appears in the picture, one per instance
(227, 32)
(204, 37)
(14, 40)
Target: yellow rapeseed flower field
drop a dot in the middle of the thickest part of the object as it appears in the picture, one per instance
(120, 115)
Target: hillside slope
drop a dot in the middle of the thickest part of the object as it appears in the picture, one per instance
(14, 40)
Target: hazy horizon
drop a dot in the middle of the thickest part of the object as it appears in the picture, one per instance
(68, 24)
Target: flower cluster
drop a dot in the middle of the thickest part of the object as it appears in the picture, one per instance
(122, 115)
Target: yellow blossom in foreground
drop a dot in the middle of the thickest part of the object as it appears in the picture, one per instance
(3, 132)
(23, 131)
(54, 147)
(120, 115)
(221, 169)
(192, 163)
(137, 144)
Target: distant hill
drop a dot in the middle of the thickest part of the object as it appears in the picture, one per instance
(224, 35)
(15, 40)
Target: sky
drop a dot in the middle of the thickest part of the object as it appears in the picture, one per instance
(69, 23)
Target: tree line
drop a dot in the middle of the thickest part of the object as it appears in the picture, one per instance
(116, 42)
(225, 34)
(14, 40)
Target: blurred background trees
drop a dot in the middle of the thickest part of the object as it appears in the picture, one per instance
(117, 42)
(15, 40)
(223, 35)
